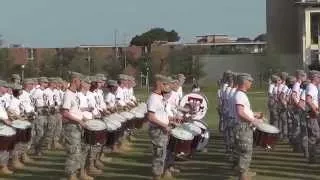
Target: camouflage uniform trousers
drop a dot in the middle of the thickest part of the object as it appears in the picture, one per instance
(58, 128)
(295, 130)
(76, 150)
(50, 128)
(19, 149)
(313, 136)
(243, 141)
(39, 132)
(159, 141)
(94, 152)
(283, 123)
(228, 134)
(272, 110)
(304, 133)
(4, 158)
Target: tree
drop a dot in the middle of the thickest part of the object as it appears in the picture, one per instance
(261, 37)
(184, 61)
(155, 34)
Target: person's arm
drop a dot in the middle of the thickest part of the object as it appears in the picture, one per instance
(245, 117)
(310, 104)
(154, 120)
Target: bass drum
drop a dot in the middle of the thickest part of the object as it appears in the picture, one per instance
(203, 138)
(197, 105)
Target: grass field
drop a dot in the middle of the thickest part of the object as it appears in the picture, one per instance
(280, 164)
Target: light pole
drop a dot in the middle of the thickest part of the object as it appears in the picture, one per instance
(22, 72)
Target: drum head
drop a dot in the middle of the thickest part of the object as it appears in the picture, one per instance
(200, 124)
(87, 115)
(111, 126)
(19, 124)
(197, 104)
(113, 121)
(3, 114)
(96, 125)
(268, 128)
(7, 131)
(127, 115)
(118, 117)
(182, 134)
(195, 130)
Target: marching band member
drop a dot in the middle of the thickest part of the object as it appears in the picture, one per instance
(41, 122)
(57, 98)
(282, 108)
(272, 99)
(29, 111)
(86, 105)
(51, 103)
(15, 111)
(182, 80)
(72, 131)
(159, 129)
(15, 79)
(222, 89)
(303, 140)
(4, 154)
(120, 96)
(312, 104)
(243, 132)
(110, 98)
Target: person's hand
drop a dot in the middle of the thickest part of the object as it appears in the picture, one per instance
(7, 122)
(167, 129)
(256, 122)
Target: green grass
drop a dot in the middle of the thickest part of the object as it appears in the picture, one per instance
(280, 164)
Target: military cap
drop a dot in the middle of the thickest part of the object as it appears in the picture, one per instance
(86, 79)
(130, 78)
(74, 75)
(291, 79)
(283, 75)
(314, 73)
(275, 78)
(300, 72)
(16, 86)
(162, 78)
(244, 76)
(93, 78)
(122, 77)
(43, 79)
(28, 81)
(101, 77)
(15, 76)
(52, 80)
(112, 83)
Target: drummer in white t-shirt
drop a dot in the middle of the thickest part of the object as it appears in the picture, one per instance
(72, 130)
(110, 98)
(4, 155)
(245, 118)
(159, 129)
(312, 105)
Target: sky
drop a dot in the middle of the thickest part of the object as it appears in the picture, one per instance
(57, 23)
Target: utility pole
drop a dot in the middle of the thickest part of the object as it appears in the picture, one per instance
(115, 43)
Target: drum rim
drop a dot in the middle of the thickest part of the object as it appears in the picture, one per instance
(268, 130)
(195, 133)
(10, 128)
(95, 120)
(184, 139)
(25, 126)
(202, 122)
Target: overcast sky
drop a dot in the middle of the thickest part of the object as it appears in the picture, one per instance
(55, 23)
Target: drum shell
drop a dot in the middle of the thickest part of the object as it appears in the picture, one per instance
(7, 142)
(195, 142)
(139, 122)
(177, 146)
(95, 137)
(23, 135)
(264, 139)
(112, 138)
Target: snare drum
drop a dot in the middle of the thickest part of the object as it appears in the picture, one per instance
(96, 133)
(113, 130)
(180, 141)
(23, 130)
(196, 132)
(139, 120)
(7, 138)
(266, 136)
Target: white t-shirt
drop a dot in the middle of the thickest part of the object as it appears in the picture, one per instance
(26, 102)
(14, 106)
(120, 96)
(38, 96)
(83, 100)
(241, 98)
(312, 91)
(156, 105)
(71, 102)
(231, 102)
(172, 103)
(57, 97)
(180, 93)
(296, 88)
(48, 94)
(110, 99)
(270, 89)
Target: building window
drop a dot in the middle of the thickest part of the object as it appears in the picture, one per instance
(31, 54)
(315, 19)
